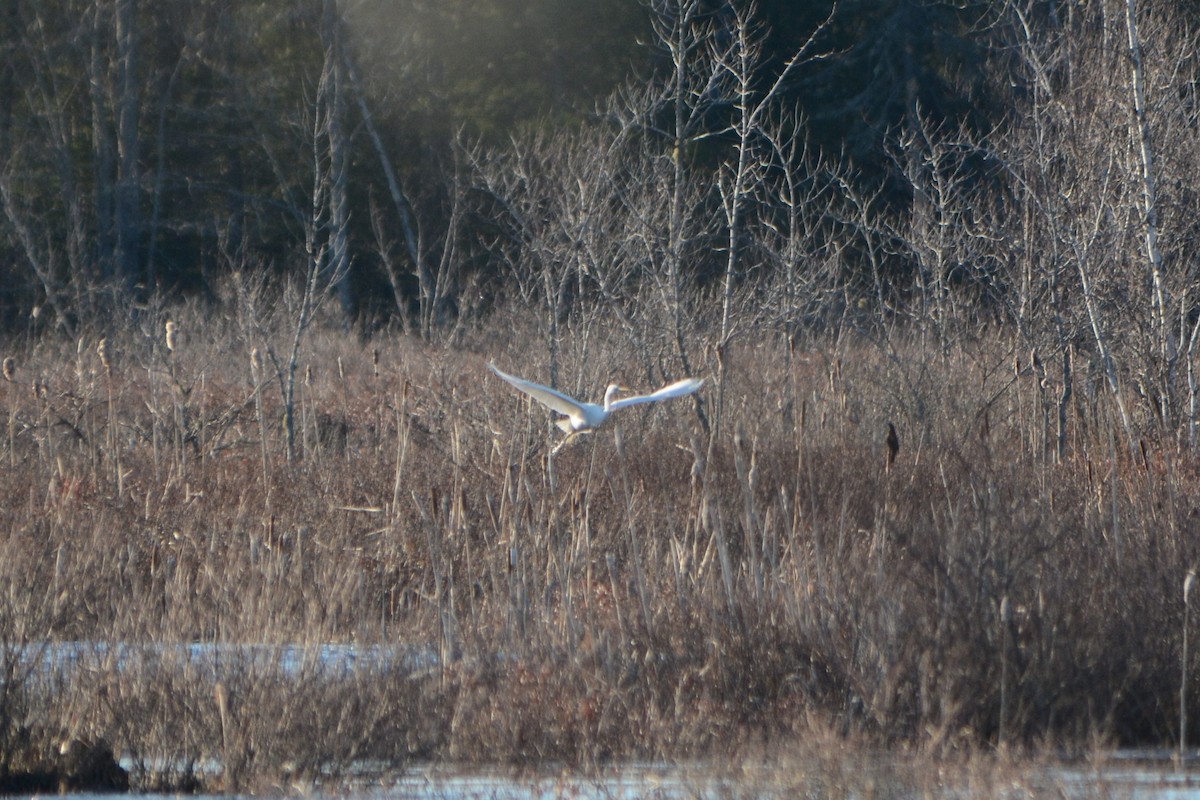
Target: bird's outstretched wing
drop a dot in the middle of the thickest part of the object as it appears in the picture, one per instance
(555, 401)
(677, 389)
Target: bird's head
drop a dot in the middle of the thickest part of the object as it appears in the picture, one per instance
(611, 392)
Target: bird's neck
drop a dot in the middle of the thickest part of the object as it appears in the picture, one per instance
(610, 395)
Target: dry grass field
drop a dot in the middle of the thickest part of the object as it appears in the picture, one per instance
(651, 592)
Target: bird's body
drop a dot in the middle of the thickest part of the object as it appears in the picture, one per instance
(580, 417)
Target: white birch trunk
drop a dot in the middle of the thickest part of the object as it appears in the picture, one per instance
(1167, 346)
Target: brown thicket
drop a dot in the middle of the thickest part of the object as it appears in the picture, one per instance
(642, 594)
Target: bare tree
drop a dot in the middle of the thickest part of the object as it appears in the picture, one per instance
(674, 113)
(325, 270)
(523, 186)
(52, 229)
(743, 176)
(1167, 345)
(1108, 216)
(128, 218)
(104, 145)
(1068, 203)
(335, 87)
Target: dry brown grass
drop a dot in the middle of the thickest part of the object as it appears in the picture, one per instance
(643, 595)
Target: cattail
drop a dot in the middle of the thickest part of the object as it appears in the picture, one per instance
(79, 348)
(171, 336)
(1005, 623)
(893, 446)
(10, 368)
(102, 351)
(308, 375)
(1188, 581)
(255, 362)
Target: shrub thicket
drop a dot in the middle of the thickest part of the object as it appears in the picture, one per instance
(422, 580)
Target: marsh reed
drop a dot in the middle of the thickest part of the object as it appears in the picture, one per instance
(644, 594)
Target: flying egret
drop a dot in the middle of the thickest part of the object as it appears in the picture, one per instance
(579, 417)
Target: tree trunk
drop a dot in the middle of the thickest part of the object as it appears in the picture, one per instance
(339, 156)
(104, 162)
(1166, 344)
(681, 47)
(128, 216)
(404, 211)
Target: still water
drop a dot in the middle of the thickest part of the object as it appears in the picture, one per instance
(1122, 776)
(1126, 775)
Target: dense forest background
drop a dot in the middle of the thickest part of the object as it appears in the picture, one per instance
(790, 165)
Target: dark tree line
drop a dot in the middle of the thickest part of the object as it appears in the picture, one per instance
(680, 163)
(148, 148)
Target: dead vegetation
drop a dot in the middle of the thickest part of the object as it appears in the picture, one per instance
(421, 581)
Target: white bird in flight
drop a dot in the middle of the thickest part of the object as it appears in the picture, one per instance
(580, 417)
